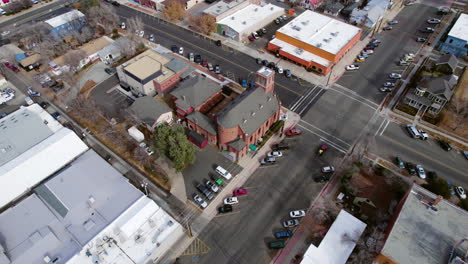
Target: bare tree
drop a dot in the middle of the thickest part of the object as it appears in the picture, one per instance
(104, 16)
(204, 24)
(74, 58)
(126, 46)
(134, 25)
(30, 35)
(460, 108)
(86, 107)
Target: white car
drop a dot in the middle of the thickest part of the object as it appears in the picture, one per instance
(421, 172)
(393, 22)
(368, 52)
(191, 57)
(394, 76)
(141, 34)
(181, 50)
(210, 67)
(255, 35)
(433, 21)
(291, 223)
(460, 192)
(424, 135)
(31, 92)
(352, 67)
(213, 186)
(123, 26)
(5, 33)
(202, 203)
(275, 154)
(151, 38)
(389, 84)
(280, 69)
(231, 200)
(328, 169)
(297, 213)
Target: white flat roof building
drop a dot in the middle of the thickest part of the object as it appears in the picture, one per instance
(460, 28)
(33, 146)
(320, 31)
(88, 213)
(64, 18)
(300, 53)
(338, 243)
(251, 18)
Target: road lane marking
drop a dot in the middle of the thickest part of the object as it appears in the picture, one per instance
(378, 129)
(326, 133)
(385, 127)
(424, 155)
(213, 54)
(325, 140)
(302, 98)
(322, 91)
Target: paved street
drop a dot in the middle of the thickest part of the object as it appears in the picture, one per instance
(273, 192)
(395, 43)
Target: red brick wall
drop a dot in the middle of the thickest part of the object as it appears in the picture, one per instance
(192, 126)
(210, 102)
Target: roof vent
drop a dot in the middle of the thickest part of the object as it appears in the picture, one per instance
(319, 45)
(244, 22)
(299, 51)
(326, 40)
(296, 28)
(245, 121)
(260, 106)
(91, 200)
(256, 9)
(233, 18)
(334, 34)
(305, 23)
(271, 8)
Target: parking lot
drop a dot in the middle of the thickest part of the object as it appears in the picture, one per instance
(261, 43)
(203, 169)
(273, 191)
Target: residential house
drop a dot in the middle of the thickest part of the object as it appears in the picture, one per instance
(64, 25)
(234, 122)
(28, 61)
(425, 229)
(310, 4)
(110, 53)
(241, 24)
(187, 4)
(151, 73)
(349, 9)
(151, 111)
(333, 8)
(456, 42)
(432, 93)
(446, 64)
(371, 14)
(222, 9)
(91, 52)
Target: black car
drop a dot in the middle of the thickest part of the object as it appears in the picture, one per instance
(225, 209)
(174, 49)
(322, 178)
(109, 71)
(218, 43)
(115, 3)
(44, 105)
(264, 62)
(445, 145)
(198, 59)
(411, 168)
(432, 175)
(271, 65)
(210, 1)
(205, 191)
(258, 61)
(280, 146)
(56, 115)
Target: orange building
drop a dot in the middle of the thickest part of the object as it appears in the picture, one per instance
(314, 41)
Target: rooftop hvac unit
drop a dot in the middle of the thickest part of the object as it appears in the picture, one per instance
(244, 22)
(319, 45)
(256, 9)
(326, 40)
(297, 28)
(232, 18)
(271, 8)
(305, 23)
(299, 51)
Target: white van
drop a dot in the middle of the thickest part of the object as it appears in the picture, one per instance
(221, 171)
(413, 131)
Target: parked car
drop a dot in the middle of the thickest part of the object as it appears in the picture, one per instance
(239, 192)
(433, 21)
(268, 160)
(265, 62)
(451, 187)
(360, 59)
(421, 172)
(427, 30)
(394, 76)
(264, 31)
(258, 61)
(403, 63)
(393, 22)
(208, 194)
(217, 69)
(231, 200)
(243, 83)
(141, 33)
(210, 67)
(275, 154)
(123, 25)
(31, 92)
(151, 38)
(198, 200)
(445, 145)
(327, 169)
(421, 39)
(56, 115)
(204, 62)
(387, 28)
(218, 43)
(352, 67)
(225, 209)
(287, 73)
(465, 153)
(293, 132)
(251, 38)
(409, 4)
(44, 105)
(291, 223)
(279, 69)
(424, 135)
(322, 178)
(255, 35)
(109, 71)
(174, 49)
(181, 50)
(432, 175)
(198, 59)
(115, 3)
(297, 213)
(461, 192)
(400, 163)
(280, 146)
(191, 56)
(277, 22)
(223, 172)
(389, 84)
(283, 234)
(411, 168)
(11, 66)
(213, 186)
(276, 244)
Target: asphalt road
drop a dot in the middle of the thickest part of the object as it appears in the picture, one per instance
(395, 141)
(395, 43)
(273, 192)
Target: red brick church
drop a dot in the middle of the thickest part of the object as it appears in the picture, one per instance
(232, 121)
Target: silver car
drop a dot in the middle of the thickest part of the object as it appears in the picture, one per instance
(213, 186)
(421, 172)
(291, 223)
(198, 200)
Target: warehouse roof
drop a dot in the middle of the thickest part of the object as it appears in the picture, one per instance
(64, 18)
(320, 31)
(460, 28)
(249, 16)
(300, 53)
(28, 158)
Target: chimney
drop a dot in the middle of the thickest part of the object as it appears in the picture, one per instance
(437, 200)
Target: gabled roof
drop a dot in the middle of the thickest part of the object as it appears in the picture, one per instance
(249, 111)
(64, 18)
(334, 7)
(237, 144)
(194, 91)
(203, 121)
(148, 109)
(441, 86)
(448, 59)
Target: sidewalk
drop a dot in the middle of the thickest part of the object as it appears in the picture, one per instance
(250, 164)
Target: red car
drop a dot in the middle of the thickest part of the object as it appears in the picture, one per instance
(251, 38)
(293, 132)
(11, 66)
(204, 63)
(240, 191)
